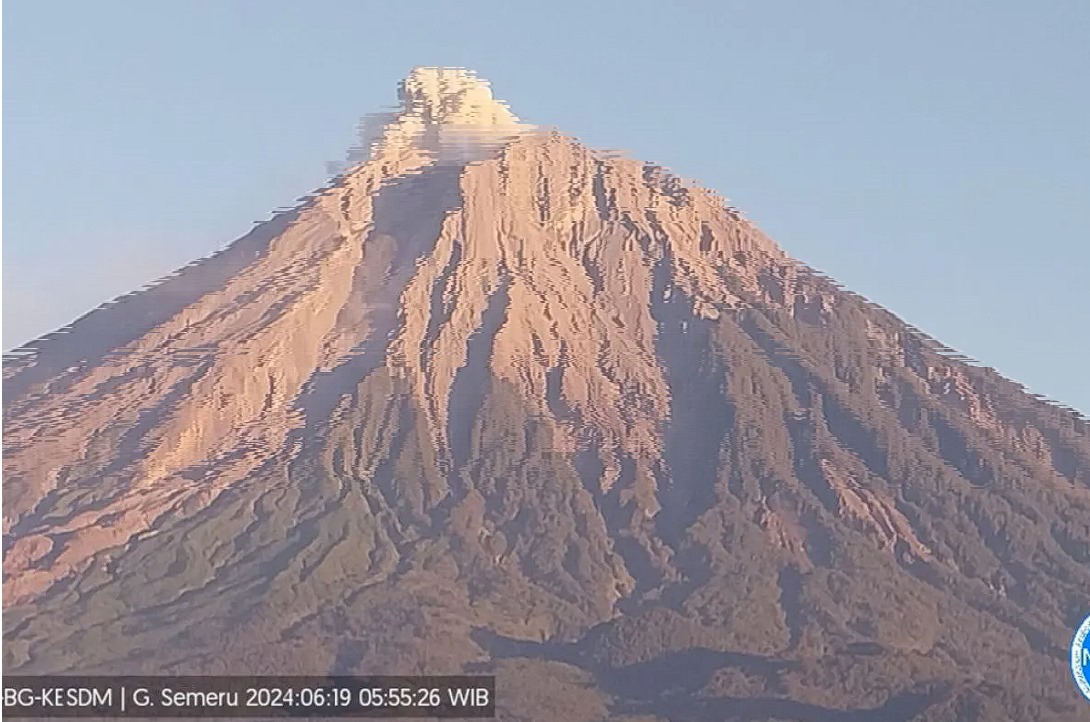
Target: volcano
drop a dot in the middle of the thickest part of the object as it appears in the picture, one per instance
(494, 401)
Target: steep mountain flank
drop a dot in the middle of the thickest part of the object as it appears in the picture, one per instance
(493, 401)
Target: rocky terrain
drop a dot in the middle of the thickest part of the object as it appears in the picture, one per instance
(494, 401)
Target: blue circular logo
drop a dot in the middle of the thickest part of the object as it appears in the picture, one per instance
(1080, 658)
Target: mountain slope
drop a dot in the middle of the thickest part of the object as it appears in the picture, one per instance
(495, 401)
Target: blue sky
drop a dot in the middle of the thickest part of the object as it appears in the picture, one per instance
(933, 156)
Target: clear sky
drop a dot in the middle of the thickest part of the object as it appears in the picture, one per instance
(931, 155)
